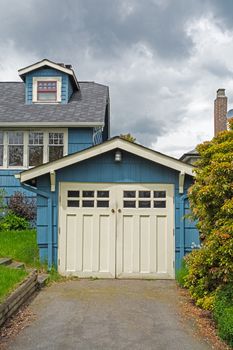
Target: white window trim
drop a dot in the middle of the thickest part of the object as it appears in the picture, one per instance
(35, 80)
(26, 146)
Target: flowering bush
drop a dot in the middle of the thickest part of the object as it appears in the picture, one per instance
(23, 206)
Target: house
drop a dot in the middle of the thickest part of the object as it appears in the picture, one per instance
(106, 207)
(47, 116)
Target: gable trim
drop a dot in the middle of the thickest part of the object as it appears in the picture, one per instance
(50, 64)
(116, 143)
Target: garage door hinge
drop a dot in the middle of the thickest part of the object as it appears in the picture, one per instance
(173, 263)
(59, 230)
(173, 232)
(59, 199)
(58, 261)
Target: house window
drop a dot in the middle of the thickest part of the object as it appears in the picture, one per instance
(35, 148)
(56, 145)
(1, 148)
(28, 148)
(47, 91)
(15, 148)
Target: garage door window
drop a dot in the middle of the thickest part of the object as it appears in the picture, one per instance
(88, 199)
(144, 199)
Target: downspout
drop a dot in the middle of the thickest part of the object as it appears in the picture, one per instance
(182, 226)
(182, 214)
(50, 228)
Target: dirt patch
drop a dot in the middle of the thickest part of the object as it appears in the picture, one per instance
(202, 320)
(15, 325)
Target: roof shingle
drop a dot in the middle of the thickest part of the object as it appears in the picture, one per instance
(85, 106)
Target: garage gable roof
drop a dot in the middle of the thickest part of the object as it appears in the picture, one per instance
(114, 143)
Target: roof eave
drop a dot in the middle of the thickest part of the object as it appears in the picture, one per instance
(103, 148)
(47, 124)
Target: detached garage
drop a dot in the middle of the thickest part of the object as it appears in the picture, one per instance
(115, 210)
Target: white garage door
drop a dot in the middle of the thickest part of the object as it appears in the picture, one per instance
(116, 230)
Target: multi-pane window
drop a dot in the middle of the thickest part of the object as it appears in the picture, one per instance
(29, 148)
(144, 199)
(1, 148)
(46, 91)
(56, 145)
(35, 148)
(15, 148)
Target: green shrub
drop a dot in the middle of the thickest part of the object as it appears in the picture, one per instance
(13, 222)
(181, 274)
(223, 313)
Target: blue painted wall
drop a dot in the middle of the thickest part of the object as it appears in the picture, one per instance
(79, 139)
(66, 89)
(10, 184)
(132, 169)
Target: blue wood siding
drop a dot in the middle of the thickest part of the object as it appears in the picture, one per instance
(10, 184)
(66, 88)
(79, 139)
(132, 169)
(70, 89)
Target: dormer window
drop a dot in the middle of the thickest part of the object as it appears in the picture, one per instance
(47, 91)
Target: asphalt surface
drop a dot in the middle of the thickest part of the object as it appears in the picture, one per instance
(109, 314)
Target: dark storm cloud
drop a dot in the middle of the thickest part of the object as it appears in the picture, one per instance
(140, 48)
(48, 26)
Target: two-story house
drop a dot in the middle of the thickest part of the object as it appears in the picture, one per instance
(106, 207)
(47, 116)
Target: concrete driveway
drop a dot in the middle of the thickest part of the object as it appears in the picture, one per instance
(108, 314)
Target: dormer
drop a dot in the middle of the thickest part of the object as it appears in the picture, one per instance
(47, 82)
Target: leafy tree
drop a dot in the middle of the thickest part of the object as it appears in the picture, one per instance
(128, 137)
(211, 199)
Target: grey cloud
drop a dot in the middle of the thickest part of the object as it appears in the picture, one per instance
(98, 37)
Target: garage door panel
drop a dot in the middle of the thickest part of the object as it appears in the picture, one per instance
(88, 252)
(104, 243)
(161, 244)
(128, 243)
(71, 229)
(144, 244)
(116, 230)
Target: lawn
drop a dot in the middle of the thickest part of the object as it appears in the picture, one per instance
(9, 278)
(20, 246)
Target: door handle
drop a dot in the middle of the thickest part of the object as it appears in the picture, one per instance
(119, 210)
(113, 210)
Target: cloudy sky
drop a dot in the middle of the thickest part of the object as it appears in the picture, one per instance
(162, 59)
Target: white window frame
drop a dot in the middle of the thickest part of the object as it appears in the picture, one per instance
(26, 146)
(35, 80)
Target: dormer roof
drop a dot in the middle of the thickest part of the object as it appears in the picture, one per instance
(65, 68)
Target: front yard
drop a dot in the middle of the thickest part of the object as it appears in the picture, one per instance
(20, 246)
(9, 279)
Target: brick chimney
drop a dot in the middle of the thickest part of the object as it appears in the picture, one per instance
(220, 111)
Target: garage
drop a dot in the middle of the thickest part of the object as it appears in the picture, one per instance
(114, 210)
(116, 230)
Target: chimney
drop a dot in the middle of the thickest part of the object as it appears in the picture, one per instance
(220, 112)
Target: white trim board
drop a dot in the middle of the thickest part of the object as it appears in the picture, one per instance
(46, 124)
(115, 143)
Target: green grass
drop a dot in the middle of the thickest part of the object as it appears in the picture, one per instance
(20, 246)
(9, 279)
